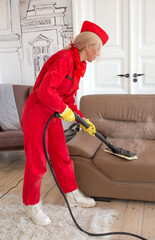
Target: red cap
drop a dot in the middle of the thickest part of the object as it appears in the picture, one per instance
(92, 27)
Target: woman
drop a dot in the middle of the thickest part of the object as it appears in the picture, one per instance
(54, 90)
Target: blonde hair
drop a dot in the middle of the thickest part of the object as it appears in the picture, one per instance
(85, 38)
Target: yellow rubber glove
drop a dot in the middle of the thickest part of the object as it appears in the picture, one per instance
(67, 115)
(91, 130)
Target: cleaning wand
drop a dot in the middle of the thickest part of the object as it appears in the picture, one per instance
(112, 149)
(56, 114)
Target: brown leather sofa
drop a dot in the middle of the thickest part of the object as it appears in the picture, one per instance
(128, 121)
(13, 139)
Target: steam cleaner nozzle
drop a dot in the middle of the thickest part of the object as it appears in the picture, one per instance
(112, 149)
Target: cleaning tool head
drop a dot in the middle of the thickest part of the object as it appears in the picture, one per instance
(122, 153)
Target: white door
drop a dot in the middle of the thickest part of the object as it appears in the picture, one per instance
(142, 46)
(130, 50)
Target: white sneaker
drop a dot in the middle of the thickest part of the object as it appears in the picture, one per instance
(36, 213)
(77, 199)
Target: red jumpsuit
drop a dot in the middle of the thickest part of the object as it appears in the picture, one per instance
(54, 88)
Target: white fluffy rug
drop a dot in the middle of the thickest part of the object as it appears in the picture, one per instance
(15, 225)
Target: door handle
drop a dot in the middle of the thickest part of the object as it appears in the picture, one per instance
(138, 75)
(127, 75)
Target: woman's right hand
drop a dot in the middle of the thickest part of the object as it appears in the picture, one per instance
(67, 115)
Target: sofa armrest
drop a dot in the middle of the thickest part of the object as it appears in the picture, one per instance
(83, 145)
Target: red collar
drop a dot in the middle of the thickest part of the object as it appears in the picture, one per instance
(80, 67)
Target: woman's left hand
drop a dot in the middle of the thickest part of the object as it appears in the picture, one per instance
(91, 129)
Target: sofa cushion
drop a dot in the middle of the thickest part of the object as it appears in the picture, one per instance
(121, 116)
(83, 145)
(9, 118)
(119, 169)
(21, 92)
(126, 129)
(11, 140)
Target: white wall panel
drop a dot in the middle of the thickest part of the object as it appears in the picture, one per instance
(107, 14)
(4, 16)
(149, 18)
(149, 69)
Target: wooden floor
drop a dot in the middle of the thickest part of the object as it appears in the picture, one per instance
(133, 216)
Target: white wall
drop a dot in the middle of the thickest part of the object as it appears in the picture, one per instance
(31, 31)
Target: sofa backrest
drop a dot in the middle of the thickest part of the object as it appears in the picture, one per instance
(122, 116)
(21, 92)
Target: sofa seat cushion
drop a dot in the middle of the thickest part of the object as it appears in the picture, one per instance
(119, 169)
(11, 139)
(83, 145)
